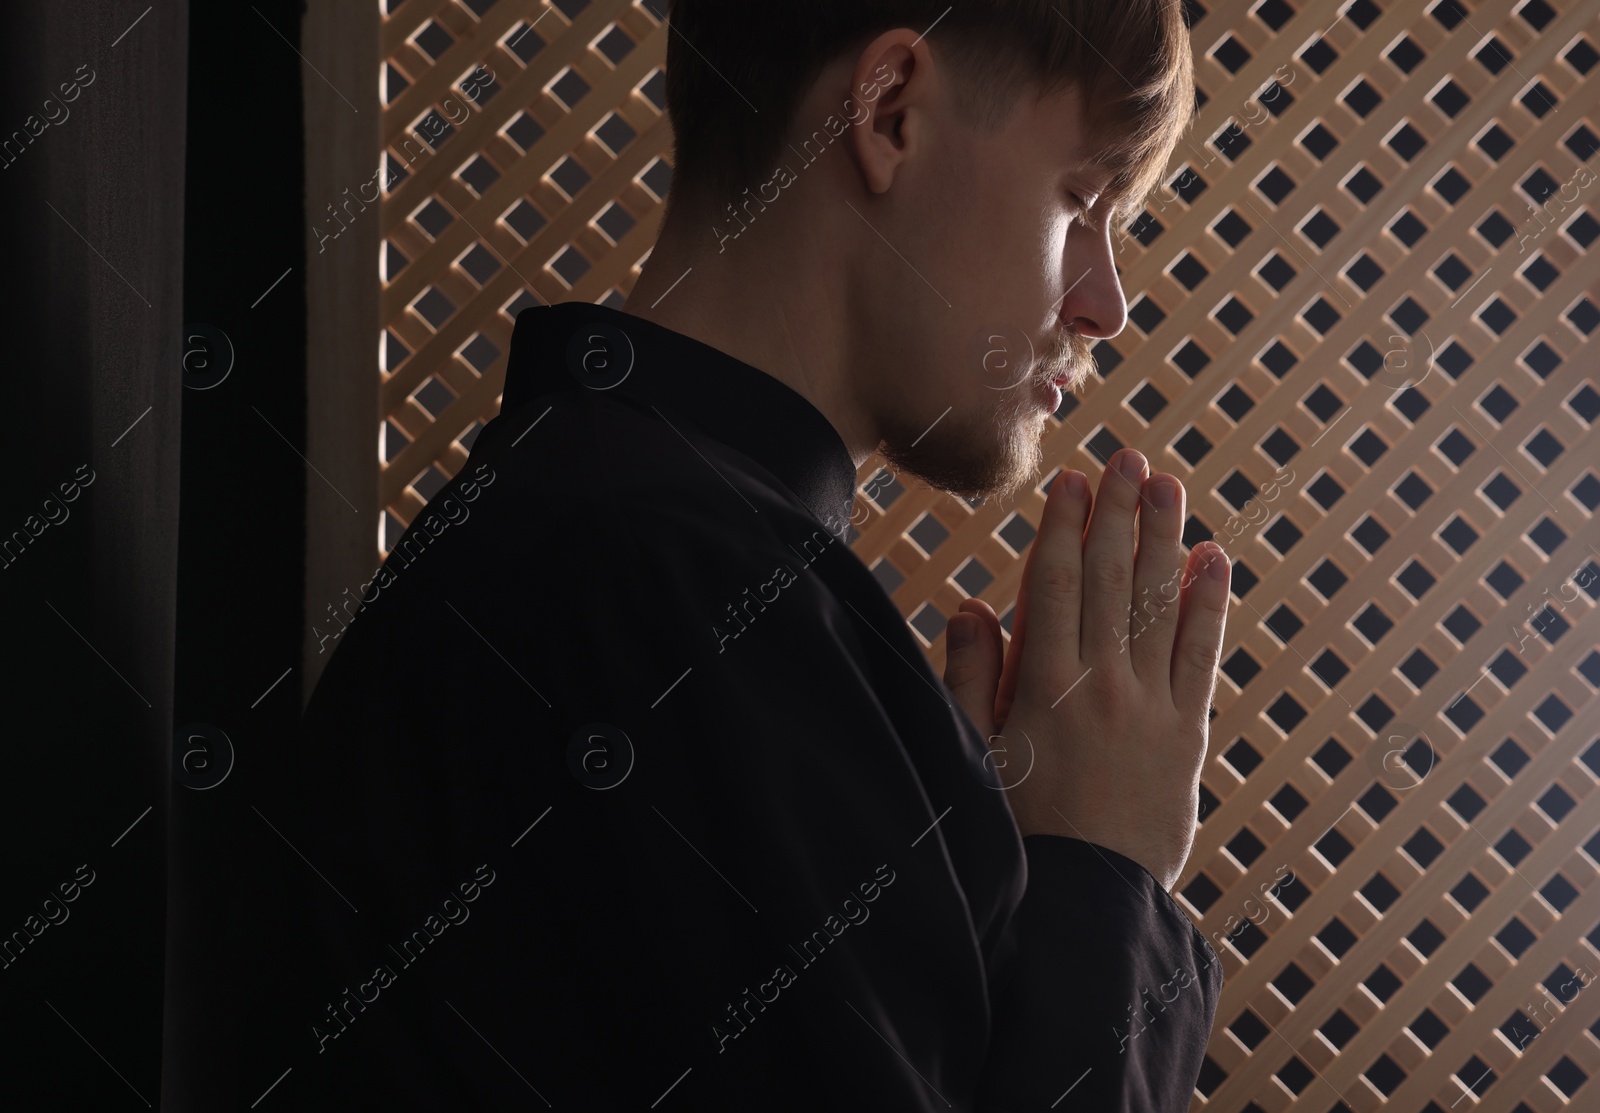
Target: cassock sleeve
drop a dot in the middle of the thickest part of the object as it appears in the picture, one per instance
(1111, 992)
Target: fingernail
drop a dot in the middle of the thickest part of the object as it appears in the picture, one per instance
(1164, 494)
(1217, 566)
(1131, 465)
(959, 635)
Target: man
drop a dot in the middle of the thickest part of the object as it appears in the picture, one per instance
(629, 788)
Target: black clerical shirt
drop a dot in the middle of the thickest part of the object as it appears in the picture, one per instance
(629, 788)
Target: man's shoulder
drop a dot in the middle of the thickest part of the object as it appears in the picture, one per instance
(579, 462)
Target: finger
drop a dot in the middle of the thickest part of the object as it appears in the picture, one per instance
(984, 611)
(1019, 623)
(1108, 562)
(1008, 675)
(1157, 575)
(972, 661)
(1050, 599)
(1201, 622)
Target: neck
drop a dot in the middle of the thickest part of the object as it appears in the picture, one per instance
(762, 298)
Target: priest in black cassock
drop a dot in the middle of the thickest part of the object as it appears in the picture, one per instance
(629, 786)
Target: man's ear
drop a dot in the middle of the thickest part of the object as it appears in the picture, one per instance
(890, 92)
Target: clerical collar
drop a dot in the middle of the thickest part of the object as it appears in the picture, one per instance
(571, 344)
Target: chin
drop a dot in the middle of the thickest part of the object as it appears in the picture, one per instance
(982, 455)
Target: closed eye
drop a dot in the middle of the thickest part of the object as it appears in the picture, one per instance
(1081, 208)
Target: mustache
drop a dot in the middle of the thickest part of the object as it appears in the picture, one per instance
(1070, 354)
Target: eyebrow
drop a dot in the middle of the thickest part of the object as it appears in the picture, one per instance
(1125, 206)
(1099, 177)
(1123, 209)
(1096, 173)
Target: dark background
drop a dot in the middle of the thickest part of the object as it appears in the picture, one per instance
(171, 595)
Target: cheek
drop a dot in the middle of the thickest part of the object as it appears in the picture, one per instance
(1057, 241)
(1013, 253)
(1026, 279)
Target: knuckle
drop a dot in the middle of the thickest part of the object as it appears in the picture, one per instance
(957, 674)
(1107, 688)
(1201, 655)
(1059, 582)
(1215, 611)
(1109, 575)
(1151, 610)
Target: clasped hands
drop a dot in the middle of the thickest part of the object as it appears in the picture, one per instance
(1100, 702)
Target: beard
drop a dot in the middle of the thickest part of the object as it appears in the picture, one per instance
(993, 450)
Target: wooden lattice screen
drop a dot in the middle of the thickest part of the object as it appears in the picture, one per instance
(1362, 331)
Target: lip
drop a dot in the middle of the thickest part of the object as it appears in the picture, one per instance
(1054, 403)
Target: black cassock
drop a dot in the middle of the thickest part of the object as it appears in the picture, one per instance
(629, 788)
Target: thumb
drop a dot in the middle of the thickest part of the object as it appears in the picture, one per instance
(973, 656)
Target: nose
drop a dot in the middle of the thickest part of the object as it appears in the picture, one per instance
(1094, 305)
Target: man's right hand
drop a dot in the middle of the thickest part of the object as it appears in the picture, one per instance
(1101, 703)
